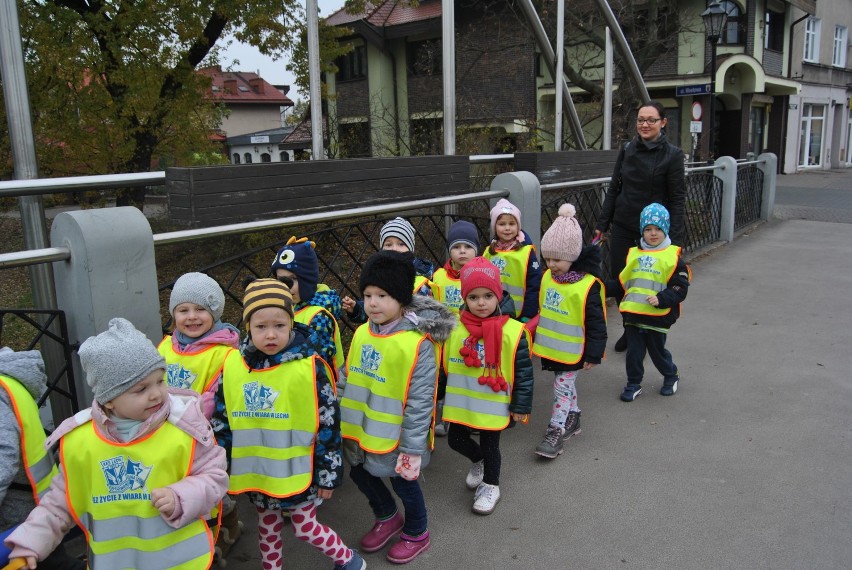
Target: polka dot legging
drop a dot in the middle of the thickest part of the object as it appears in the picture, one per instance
(270, 523)
(564, 397)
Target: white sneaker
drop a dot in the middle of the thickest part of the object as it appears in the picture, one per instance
(486, 499)
(475, 475)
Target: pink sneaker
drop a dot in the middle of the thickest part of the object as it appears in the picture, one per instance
(408, 548)
(381, 533)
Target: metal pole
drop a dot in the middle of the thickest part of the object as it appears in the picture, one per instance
(711, 138)
(543, 43)
(607, 110)
(317, 152)
(448, 54)
(560, 66)
(624, 48)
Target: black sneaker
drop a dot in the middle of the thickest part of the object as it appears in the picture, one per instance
(670, 387)
(630, 392)
(572, 425)
(621, 343)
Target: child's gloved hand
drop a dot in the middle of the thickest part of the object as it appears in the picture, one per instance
(408, 466)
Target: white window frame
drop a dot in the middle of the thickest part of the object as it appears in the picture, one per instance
(838, 57)
(812, 113)
(811, 48)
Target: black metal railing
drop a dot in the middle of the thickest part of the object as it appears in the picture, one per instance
(703, 209)
(749, 196)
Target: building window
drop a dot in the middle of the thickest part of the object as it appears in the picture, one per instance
(427, 136)
(812, 40)
(734, 32)
(283, 156)
(354, 140)
(265, 157)
(424, 58)
(773, 34)
(236, 158)
(838, 58)
(353, 65)
(247, 157)
(810, 142)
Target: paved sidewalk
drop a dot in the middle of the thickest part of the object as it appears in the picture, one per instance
(747, 466)
(824, 195)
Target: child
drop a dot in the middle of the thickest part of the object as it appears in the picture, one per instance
(571, 333)
(389, 396)
(514, 254)
(396, 235)
(489, 377)
(278, 418)
(26, 467)
(142, 458)
(315, 304)
(654, 283)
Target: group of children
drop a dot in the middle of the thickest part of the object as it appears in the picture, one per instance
(174, 431)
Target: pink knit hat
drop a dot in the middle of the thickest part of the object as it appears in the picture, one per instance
(564, 239)
(503, 206)
(479, 272)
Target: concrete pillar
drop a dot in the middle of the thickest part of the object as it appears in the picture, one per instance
(769, 166)
(726, 171)
(111, 273)
(525, 193)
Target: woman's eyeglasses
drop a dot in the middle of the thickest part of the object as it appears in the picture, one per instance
(647, 121)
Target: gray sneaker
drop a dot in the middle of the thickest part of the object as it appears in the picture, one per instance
(572, 425)
(551, 445)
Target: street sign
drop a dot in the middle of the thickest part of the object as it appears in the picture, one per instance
(687, 90)
(694, 126)
(697, 111)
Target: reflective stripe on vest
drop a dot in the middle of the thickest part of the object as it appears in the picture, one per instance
(193, 370)
(646, 273)
(39, 464)
(561, 331)
(379, 369)
(109, 495)
(447, 290)
(467, 401)
(513, 272)
(274, 418)
(306, 314)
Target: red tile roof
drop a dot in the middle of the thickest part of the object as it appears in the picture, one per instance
(389, 13)
(243, 87)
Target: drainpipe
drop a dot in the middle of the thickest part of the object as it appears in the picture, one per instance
(790, 45)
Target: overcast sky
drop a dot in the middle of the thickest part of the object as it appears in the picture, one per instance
(273, 71)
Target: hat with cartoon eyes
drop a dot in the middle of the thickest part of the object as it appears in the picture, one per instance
(298, 256)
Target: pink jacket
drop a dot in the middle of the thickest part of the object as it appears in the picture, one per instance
(228, 337)
(196, 494)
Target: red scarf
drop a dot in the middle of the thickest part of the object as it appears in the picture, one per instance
(451, 271)
(490, 329)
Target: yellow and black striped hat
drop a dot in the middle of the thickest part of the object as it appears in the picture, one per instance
(262, 293)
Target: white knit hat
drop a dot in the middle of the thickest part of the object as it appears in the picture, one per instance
(399, 228)
(563, 239)
(199, 289)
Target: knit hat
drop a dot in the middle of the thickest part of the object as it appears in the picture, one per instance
(503, 206)
(398, 228)
(465, 232)
(655, 215)
(118, 359)
(198, 289)
(298, 256)
(263, 293)
(479, 272)
(564, 238)
(392, 271)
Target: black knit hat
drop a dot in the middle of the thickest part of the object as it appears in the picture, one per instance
(392, 271)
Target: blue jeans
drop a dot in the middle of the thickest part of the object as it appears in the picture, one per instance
(640, 341)
(383, 503)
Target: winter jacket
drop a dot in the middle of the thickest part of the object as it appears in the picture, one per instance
(322, 326)
(196, 494)
(328, 461)
(423, 268)
(16, 495)
(436, 321)
(595, 319)
(646, 172)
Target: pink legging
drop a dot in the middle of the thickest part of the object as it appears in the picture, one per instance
(564, 397)
(306, 528)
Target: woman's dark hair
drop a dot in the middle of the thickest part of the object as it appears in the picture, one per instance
(656, 105)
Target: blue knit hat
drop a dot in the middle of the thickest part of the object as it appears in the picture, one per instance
(655, 215)
(298, 256)
(463, 232)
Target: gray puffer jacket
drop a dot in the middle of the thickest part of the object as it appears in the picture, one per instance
(16, 496)
(437, 321)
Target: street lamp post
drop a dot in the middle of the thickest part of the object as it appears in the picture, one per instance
(715, 17)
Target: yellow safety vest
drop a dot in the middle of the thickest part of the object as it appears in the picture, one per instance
(109, 495)
(39, 464)
(561, 331)
(513, 272)
(193, 370)
(647, 273)
(274, 418)
(447, 290)
(306, 314)
(420, 281)
(379, 373)
(467, 401)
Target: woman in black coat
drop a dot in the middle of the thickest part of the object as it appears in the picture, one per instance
(648, 169)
